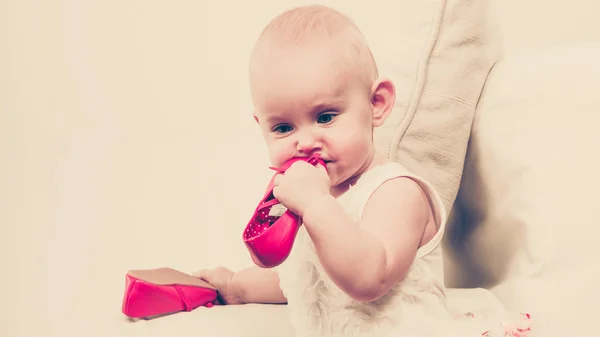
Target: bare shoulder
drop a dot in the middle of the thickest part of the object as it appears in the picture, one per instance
(399, 209)
(400, 192)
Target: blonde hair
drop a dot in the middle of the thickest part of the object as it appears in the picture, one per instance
(302, 26)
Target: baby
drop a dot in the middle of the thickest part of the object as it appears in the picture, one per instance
(367, 260)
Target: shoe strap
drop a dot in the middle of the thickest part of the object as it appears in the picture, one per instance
(269, 203)
(184, 299)
(313, 160)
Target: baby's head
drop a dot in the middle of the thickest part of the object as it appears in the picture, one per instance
(315, 88)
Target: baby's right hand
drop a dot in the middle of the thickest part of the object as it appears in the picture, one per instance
(221, 278)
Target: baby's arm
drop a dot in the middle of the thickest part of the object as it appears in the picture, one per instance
(258, 285)
(365, 261)
(250, 285)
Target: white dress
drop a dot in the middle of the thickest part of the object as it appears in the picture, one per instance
(414, 307)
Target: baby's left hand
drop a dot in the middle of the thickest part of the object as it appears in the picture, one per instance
(300, 185)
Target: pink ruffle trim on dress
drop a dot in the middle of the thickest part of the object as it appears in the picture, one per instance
(518, 328)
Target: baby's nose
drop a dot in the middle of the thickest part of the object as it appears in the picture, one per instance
(307, 143)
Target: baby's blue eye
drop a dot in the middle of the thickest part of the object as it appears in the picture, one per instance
(282, 128)
(325, 118)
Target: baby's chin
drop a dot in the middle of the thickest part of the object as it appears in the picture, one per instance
(337, 181)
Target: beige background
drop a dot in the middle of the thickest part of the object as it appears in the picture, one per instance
(125, 127)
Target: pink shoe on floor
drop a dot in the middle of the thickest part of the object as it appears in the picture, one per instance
(162, 291)
(271, 232)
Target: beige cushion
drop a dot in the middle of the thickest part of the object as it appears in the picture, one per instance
(531, 183)
(439, 54)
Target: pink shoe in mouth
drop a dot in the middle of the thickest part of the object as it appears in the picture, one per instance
(270, 233)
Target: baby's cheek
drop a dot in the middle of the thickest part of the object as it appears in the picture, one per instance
(353, 142)
(358, 149)
(280, 151)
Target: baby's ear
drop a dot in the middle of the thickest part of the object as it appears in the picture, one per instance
(383, 97)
